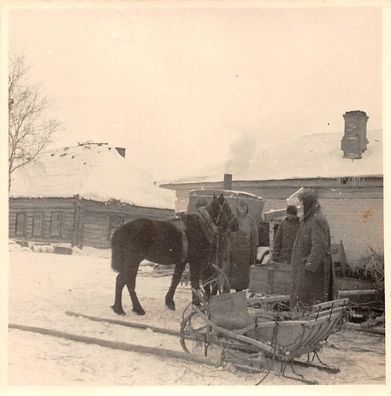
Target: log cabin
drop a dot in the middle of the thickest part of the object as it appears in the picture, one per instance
(79, 195)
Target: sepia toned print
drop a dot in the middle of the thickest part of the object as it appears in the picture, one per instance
(195, 195)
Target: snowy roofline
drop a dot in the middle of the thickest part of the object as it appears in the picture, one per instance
(211, 190)
(212, 180)
(93, 171)
(97, 199)
(314, 156)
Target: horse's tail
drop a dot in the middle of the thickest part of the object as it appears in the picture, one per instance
(116, 252)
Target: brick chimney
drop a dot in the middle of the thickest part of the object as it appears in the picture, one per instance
(121, 151)
(354, 141)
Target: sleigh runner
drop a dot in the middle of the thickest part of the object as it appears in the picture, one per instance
(227, 331)
(250, 339)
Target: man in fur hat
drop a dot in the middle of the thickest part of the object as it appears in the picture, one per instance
(313, 276)
(285, 236)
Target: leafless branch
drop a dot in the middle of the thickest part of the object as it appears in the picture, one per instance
(30, 125)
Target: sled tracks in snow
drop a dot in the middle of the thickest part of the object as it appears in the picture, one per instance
(199, 358)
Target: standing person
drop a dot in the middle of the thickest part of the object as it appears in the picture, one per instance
(216, 250)
(243, 246)
(313, 276)
(285, 236)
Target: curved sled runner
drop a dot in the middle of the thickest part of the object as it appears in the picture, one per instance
(247, 339)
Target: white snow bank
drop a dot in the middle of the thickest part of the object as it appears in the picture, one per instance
(43, 248)
(15, 247)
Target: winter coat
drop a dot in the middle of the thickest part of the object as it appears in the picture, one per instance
(283, 241)
(313, 276)
(243, 246)
(264, 234)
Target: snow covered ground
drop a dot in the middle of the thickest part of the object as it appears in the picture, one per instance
(43, 286)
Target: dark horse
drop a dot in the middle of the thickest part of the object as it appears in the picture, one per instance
(188, 240)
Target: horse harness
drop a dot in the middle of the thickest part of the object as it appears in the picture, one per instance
(208, 226)
(180, 226)
(210, 229)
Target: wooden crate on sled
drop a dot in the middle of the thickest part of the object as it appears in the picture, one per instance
(276, 278)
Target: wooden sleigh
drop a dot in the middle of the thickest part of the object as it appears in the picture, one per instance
(256, 338)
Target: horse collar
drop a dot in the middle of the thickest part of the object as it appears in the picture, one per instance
(210, 228)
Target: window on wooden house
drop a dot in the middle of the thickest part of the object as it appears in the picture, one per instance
(55, 224)
(37, 224)
(20, 224)
(116, 221)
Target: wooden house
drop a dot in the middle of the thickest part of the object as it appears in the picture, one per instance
(79, 195)
(349, 183)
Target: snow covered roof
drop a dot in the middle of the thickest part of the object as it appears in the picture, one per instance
(227, 193)
(91, 171)
(309, 156)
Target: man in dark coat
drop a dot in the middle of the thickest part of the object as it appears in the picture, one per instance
(285, 236)
(313, 276)
(243, 246)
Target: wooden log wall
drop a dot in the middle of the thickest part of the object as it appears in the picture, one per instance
(83, 222)
(95, 219)
(45, 206)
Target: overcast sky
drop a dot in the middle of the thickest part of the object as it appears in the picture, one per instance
(179, 87)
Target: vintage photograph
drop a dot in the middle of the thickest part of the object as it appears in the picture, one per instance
(195, 193)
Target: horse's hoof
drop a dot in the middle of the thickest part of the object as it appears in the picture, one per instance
(118, 310)
(139, 311)
(170, 305)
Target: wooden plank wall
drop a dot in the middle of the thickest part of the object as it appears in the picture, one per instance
(96, 229)
(84, 223)
(96, 220)
(45, 206)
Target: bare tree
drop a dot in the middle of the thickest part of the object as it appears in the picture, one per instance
(30, 124)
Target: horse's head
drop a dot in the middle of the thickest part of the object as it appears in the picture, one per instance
(221, 214)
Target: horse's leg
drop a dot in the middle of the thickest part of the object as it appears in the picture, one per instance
(131, 285)
(225, 261)
(206, 276)
(195, 271)
(119, 285)
(176, 277)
